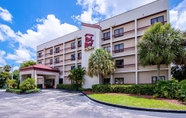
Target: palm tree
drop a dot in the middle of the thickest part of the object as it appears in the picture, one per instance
(160, 45)
(77, 76)
(7, 68)
(100, 63)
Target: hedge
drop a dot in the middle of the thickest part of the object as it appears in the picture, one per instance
(143, 89)
(20, 91)
(66, 86)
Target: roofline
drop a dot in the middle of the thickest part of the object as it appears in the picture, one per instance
(35, 68)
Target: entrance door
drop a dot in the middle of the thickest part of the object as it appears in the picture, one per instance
(49, 83)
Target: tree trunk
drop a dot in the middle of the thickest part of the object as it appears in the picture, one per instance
(158, 71)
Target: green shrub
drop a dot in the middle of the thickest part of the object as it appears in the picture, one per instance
(181, 94)
(66, 86)
(27, 84)
(166, 89)
(85, 89)
(12, 84)
(13, 90)
(32, 90)
(129, 89)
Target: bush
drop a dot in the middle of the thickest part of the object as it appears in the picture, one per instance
(13, 90)
(145, 89)
(66, 86)
(85, 89)
(27, 84)
(166, 89)
(32, 90)
(181, 94)
(12, 84)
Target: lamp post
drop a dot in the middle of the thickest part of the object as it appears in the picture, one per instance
(12, 71)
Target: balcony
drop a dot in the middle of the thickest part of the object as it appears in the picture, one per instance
(79, 58)
(79, 45)
(119, 50)
(58, 51)
(57, 62)
(106, 38)
(40, 56)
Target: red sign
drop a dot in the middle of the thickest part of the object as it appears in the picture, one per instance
(88, 40)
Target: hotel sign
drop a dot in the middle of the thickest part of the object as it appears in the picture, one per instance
(89, 42)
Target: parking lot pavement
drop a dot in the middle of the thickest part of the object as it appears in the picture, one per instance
(51, 103)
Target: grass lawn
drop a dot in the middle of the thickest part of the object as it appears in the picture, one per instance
(136, 101)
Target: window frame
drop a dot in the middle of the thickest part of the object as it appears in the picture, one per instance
(51, 62)
(51, 51)
(73, 45)
(119, 80)
(106, 35)
(120, 32)
(57, 60)
(79, 43)
(79, 55)
(106, 82)
(57, 49)
(72, 67)
(157, 19)
(107, 48)
(73, 55)
(119, 48)
(120, 65)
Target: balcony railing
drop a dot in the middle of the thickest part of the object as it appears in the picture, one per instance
(121, 34)
(125, 65)
(57, 62)
(79, 58)
(121, 50)
(106, 38)
(79, 45)
(40, 56)
(144, 27)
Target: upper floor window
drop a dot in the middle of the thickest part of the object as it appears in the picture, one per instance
(107, 48)
(57, 60)
(40, 54)
(79, 55)
(157, 19)
(118, 32)
(57, 49)
(79, 66)
(106, 35)
(79, 43)
(73, 45)
(51, 51)
(72, 67)
(73, 57)
(120, 63)
(119, 80)
(119, 48)
(51, 61)
(40, 62)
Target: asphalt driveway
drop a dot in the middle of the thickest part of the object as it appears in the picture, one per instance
(63, 104)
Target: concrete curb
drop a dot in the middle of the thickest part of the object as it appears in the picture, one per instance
(136, 108)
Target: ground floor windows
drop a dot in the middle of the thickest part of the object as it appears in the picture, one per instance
(154, 78)
(60, 80)
(119, 80)
(106, 81)
(120, 63)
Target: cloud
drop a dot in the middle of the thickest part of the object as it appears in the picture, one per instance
(47, 29)
(97, 10)
(5, 15)
(178, 16)
(2, 60)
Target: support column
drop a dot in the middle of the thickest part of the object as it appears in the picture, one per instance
(53, 57)
(136, 52)
(35, 74)
(56, 80)
(63, 63)
(76, 53)
(111, 53)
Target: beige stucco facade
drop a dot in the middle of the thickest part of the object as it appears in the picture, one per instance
(132, 24)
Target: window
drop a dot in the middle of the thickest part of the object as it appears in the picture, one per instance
(57, 60)
(107, 48)
(73, 45)
(40, 62)
(120, 63)
(79, 55)
(51, 51)
(57, 49)
(106, 36)
(51, 61)
(154, 78)
(72, 57)
(106, 81)
(72, 67)
(119, 48)
(157, 19)
(119, 80)
(60, 80)
(79, 43)
(79, 66)
(118, 32)
(40, 54)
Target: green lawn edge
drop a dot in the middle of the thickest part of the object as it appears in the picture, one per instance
(136, 101)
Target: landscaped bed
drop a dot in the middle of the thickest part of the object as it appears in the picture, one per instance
(20, 91)
(138, 101)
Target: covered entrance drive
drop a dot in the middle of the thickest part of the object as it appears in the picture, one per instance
(45, 77)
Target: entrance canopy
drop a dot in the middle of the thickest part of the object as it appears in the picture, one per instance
(42, 74)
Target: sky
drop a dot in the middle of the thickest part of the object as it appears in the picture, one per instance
(24, 24)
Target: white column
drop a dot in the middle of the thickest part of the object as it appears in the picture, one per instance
(111, 53)
(63, 62)
(56, 80)
(136, 52)
(76, 53)
(44, 53)
(35, 74)
(53, 56)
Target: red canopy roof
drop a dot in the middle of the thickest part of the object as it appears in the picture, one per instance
(40, 67)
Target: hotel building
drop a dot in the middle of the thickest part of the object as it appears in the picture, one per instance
(119, 35)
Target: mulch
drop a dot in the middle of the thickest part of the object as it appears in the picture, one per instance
(137, 95)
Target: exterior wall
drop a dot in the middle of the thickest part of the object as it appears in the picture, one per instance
(133, 22)
(146, 77)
